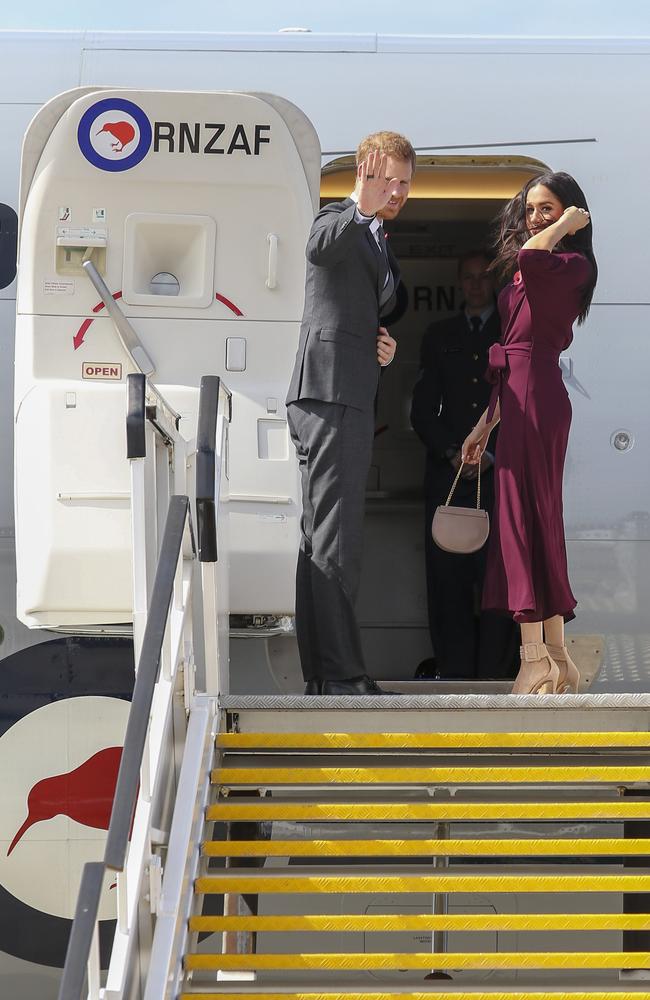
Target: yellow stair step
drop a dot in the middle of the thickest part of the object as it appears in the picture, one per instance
(431, 995)
(512, 775)
(269, 883)
(562, 847)
(412, 960)
(430, 741)
(426, 811)
(427, 922)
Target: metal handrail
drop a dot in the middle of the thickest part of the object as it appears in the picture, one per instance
(139, 392)
(206, 464)
(193, 787)
(128, 778)
(136, 415)
(183, 854)
(128, 337)
(130, 341)
(81, 938)
(83, 930)
(84, 936)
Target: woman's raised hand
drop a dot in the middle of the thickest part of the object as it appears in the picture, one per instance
(575, 219)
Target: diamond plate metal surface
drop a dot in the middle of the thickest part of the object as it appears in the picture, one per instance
(271, 883)
(356, 923)
(513, 775)
(575, 716)
(516, 702)
(473, 960)
(430, 741)
(427, 811)
(498, 847)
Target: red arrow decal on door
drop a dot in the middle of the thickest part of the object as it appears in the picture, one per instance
(78, 338)
(231, 305)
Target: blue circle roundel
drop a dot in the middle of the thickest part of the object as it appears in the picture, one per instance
(114, 134)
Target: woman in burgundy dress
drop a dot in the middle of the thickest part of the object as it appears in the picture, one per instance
(546, 249)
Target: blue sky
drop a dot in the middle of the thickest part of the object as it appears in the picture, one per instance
(550, 17)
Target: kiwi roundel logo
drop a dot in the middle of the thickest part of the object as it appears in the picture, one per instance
(114, 134)
(65, 707)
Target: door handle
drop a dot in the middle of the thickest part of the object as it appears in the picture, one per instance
(272, 278)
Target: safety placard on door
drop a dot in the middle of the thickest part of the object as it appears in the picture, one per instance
(58, 286)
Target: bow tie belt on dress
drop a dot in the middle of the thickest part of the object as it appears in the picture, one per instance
(497, 364)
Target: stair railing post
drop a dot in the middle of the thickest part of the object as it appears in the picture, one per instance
(236, 942)
(635, 902)
(211, 629)
(223, 565)
(237, 905)
(140, 449)
(94, 970)
(122, 902)
(212, 529)
(440, 899)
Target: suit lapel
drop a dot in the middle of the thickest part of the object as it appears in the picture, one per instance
(392, 262)
(383, 261)
(378, 259)
(373, 243)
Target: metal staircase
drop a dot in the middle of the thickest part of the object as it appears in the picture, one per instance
(508, 858)
(277, 847)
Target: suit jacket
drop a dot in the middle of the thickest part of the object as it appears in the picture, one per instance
(451, 392)
(346, 272)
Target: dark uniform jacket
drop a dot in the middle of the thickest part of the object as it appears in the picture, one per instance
(451, 393)
(346, 273)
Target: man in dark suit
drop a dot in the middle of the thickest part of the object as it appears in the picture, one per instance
(351, 280)
(449, 397)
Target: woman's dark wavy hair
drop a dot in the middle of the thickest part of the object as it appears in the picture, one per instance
(511, 231)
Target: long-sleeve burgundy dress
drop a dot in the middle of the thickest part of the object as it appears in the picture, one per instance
(526, 572)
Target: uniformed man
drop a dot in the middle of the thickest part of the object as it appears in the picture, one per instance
(449, 397)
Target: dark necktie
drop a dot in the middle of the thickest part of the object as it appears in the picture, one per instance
(475, 322)
(389, 286)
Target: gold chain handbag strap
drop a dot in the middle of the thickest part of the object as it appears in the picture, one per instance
(455, 484)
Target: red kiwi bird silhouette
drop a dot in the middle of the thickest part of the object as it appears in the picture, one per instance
(84, 794)
(123, 133)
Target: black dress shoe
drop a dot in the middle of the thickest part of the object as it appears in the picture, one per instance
(314, 686)
(427, 670)
(354, 685)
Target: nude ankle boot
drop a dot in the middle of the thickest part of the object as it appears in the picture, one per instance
(569, 674)
(538, 673)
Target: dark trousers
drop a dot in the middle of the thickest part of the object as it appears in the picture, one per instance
(334, 446)
(467, 642)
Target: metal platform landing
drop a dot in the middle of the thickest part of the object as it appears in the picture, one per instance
(423, 702)
(349, 991)
(430, 713)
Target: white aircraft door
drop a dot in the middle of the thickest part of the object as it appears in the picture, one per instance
(195, 208)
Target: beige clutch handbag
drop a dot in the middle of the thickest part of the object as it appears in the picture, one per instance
(461, 529)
